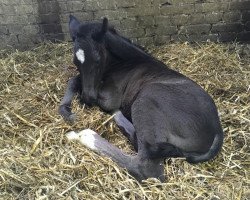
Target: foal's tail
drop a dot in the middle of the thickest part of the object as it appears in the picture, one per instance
(212, 152)
(161, 150)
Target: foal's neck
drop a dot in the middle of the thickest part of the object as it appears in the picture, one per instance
(123, 49)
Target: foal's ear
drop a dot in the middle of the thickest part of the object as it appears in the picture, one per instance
(73, 26)
(100, 35)
(104, 25)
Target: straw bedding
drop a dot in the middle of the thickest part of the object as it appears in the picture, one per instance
(37, 161)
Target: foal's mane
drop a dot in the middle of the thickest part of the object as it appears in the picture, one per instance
(123, 48)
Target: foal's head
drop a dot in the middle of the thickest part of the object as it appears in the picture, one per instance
(89, 55)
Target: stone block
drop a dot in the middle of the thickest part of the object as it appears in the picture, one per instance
(82, 16)
(166, 30)
(42, 8)
(163, 20)
(229, 27)
(196, 29)
(129, 23)
(67, 37)
(146, 41)
(145, 2)
(90, 5)
(232, 16)
(202, 37)
(227, 36)
(4, 30)
(135, 32)
(3, 42)
(16, 2)
(8, 10)
(15, 28)
(195, 38)
(240, 5)
(7, 2)
(24, 9)
(152, 10)
(179, 37)
(74, 6)
(64, 7)
(110, 14)
(94, 5)
(10, 40)
(125, 4)
(50, 18)
(162, 39)
(246, 15)
(247, 26)
(22, 19)
(181, 19)
(26, 40)
(50, 28)
(176, 2)
(65, 27)
(116, 24)
(197, 18)
(53, 37)
(180, 9)
(8, 19)
(146, 21)
(30, 29)
(150, 32)
(211, 7)
(53, 7)
(210, 37)
(244, 36)
(107, 4)
(214, 17)
(32, 19)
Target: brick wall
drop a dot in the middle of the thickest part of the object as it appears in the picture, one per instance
(25, 23)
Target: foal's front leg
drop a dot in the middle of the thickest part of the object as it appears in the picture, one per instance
(73, 87)
(139, 166)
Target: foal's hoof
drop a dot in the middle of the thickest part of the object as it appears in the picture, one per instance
(71, 118)
(87, 137)
(72, 135)
(67, 115)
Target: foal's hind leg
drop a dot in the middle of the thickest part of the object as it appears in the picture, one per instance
(73, 87)
(126, 127)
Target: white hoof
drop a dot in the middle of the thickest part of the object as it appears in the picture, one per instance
(87, 138)
(72, 135)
